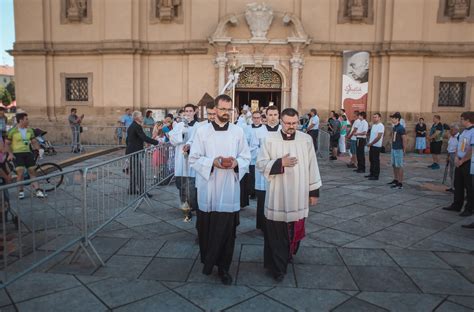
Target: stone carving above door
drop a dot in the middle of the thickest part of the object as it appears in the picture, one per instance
(259, 18)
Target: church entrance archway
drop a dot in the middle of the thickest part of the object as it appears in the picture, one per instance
(258, 87)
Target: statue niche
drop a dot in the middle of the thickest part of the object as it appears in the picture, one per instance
(457, 9)
(167, 11)
(76, 11)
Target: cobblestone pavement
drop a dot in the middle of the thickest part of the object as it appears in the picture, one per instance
(367, 248)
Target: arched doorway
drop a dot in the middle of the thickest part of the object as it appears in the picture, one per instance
(258, 86)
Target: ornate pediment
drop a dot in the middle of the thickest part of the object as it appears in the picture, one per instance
(259, 20)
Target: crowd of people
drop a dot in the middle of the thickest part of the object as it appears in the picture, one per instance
(223, 162)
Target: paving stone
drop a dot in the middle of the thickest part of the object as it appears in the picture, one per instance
(309, 242)
(390, 279)
(402, 302)
(371, 257)
(186, 249)
(417, 259)
(137, 219)
(325, 219)
(334, 237)
(355, 304)
(433, 245)
(254, 274)
(197, 275)
(156, 229)
(4, 299)
(124, 266)
(425, 222)
(447, 282)
(167, 301)
(458, 260)
(251, 253)
(40, 284)
(168, 269)
(325, 256)
(324, 277)
(369, 243)
(360, 228)
(90, 279)
(75, 299)
(307, 299)
(468, 273)
(463, 300)
(259, 303)
(141, 247)
(215, 297)
(108, 245)
(452, 307)
(352, 211)
(117, 291)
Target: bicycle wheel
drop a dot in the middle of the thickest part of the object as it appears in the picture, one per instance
(52, 183)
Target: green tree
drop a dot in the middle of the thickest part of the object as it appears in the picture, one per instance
(5, 96)
(11, 89)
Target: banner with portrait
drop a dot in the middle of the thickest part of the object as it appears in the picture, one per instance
(355, 81)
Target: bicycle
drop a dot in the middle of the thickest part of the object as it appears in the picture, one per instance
(41, 169)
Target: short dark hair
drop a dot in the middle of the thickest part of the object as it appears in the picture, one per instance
(73, 110)
(363, 114)
(336, 115)
(210, 105)
(222, 97)
(273, 107)
(421, 118)
(437, 117)
(20, 116)
(257, 112)
(344, 117)
(291, 112)
(148, 113)
(468, 116)
(314, 111)
(356, 112)
(190, 105)
(378, 114)
(343, 110)
(169, 116)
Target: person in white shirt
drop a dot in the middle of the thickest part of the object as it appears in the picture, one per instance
(375, 146)
(353, 140)
(452, 147)
(361, 136)
(313, 127)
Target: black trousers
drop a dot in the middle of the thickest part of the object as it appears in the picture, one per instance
(244, 193)
(463, 183)
(374, 158)
(137, 179)
(361, 154)
(260, 209)
(276, 248)
(216, 233)
(251, 184)
(314, 135)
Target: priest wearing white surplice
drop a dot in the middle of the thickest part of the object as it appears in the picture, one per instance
(220, 156)
(288, 161)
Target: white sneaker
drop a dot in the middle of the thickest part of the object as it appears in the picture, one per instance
(21, 195)
(40, 194)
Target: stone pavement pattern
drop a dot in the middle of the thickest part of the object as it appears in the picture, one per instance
(367, 248)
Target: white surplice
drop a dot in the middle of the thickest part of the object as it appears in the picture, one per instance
(219, 189)
(179, 137)
(260, 135)
(287, 197)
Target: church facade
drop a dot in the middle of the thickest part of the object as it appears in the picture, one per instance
(102, 56)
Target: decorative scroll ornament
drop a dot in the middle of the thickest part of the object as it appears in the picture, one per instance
(259, 17)
(259, 78)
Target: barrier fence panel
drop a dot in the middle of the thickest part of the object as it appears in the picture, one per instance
(323, 144)
(62, 225)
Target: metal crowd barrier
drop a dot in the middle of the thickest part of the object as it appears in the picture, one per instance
(323, 144)
(62, 226)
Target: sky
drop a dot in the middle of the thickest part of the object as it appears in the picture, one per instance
(7, 31)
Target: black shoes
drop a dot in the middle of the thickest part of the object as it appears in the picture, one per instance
(226, 279)
(368, 176)
(468, 226)
(466, 213)
(450, 190)
(278, 277)
(359, 171)
(373, 178)
(351, 166)
(393, 182)
(451, 208)
(397, 186)
(332, 158)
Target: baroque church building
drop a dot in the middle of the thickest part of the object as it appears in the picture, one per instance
(101, 56)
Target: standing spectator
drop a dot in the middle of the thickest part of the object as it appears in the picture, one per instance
(135, 141)
(361, 135)
(119, 132)
(471, 225)
(334, 127)
(353, 139)
(342, 139)
(403, 123)
(313, 127)
(452, 146)
(462, 173)
(436, 141)
(399, 143)
(420, 130)
(375, 146)
(148, 123)
(3, 122)
(126, 120)
(76, 129)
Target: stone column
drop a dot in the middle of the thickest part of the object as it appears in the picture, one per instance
(296, 64)
(221, 62)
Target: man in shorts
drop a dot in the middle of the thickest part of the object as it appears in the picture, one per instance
(353, 140)
(19, 141)
(399, 144)
(436, 141)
